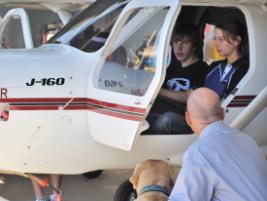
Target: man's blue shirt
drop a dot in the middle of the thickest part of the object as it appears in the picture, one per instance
(224, 164)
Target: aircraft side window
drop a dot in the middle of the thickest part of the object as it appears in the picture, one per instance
(131, 66)
(11, 35)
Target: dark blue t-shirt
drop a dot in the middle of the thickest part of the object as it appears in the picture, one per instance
(223, 86)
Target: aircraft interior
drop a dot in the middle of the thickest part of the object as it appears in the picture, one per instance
(205, 19)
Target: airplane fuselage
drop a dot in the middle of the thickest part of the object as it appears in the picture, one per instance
(72, 109)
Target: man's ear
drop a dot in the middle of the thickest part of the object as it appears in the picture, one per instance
(222, 113)
(188, 119)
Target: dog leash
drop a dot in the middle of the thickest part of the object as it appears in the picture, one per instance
(156, 188)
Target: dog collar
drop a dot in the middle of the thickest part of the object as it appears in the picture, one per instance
(150, 188)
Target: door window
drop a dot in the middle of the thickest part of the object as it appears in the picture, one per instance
(130, 66)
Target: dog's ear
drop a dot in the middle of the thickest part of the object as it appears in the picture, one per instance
(133, 179)
(135, 176)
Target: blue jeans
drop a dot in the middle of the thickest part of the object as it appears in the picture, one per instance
(167, 123)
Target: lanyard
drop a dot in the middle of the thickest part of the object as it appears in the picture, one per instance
(227, 69)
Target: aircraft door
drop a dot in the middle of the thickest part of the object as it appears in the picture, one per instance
(130, 72)
(15, 31)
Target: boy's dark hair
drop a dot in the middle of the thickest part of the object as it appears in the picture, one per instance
(189, 31)
(233, 28)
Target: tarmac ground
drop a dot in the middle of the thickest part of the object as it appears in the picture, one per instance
(75, 187)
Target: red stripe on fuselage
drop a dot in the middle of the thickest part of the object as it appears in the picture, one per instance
(241, 101)
(75, 100)
(111, 109)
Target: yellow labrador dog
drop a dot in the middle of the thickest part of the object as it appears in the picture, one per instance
(153, 180)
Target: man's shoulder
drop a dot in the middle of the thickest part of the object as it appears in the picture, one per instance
(196, 150)
(198, 147)
(199, 65)
(202, 150)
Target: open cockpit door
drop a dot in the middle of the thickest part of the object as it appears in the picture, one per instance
(130, 71)
(15, 31)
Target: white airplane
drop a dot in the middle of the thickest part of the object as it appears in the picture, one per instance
(24, 26)
(79, 103)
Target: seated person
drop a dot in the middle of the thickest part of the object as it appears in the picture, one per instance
(181, 77)
(231, 42)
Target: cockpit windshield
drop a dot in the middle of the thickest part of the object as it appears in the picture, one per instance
(89, 30)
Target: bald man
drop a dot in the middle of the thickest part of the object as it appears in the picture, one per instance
(224, 164)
